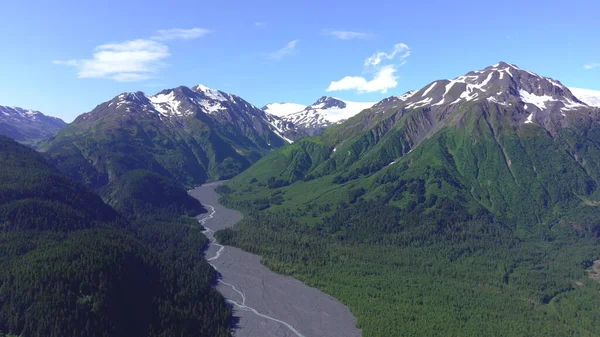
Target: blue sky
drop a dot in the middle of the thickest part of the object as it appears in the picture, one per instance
(65, 57)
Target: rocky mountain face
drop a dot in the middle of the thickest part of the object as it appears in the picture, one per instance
(28, 126)
(316, 117)
(187, 134)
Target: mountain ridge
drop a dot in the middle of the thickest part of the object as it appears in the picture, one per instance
(315, 118)
(26, 125)
(498, 103)
(186, 135)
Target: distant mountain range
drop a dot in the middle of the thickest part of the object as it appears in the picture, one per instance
(315, 118)
(26, 125)
(196, 134)
(590, 97)
(283, 108)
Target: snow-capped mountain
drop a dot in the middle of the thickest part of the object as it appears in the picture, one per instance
(503, 96)
(26, 125)
(590, 97)
(283, 109)
(174, 106)
(531, 97)
(504, 84)
(325, 112)
(188, 134)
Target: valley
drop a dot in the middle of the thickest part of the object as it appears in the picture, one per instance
(264, 303)
(468, 207)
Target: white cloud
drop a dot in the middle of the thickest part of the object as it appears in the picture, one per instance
(345, 35)
(384, 75)
(384, 79)
(288, 49)
(181, 34)
(260, 24)
(591, 66)
(401, 50)
(128, 61)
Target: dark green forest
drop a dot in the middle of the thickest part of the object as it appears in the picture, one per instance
(70, 265)
(446, 273)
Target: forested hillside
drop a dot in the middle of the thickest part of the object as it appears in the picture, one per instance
(466, 208)
(70, 265)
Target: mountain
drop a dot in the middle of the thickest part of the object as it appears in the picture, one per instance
(590, 97)
(500, 100)
(283, 108)
(70, 265)
(485, 186)
(189, 135)
(28, 126)
(30, 195)
(325, 112)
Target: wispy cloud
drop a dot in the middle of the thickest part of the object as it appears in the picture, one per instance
(180, 34)
(400, 50)
(134, 60)
(346, 35)
(260, 24)
(591, 65)
(384, 75)
(288, 49)
(128, 61)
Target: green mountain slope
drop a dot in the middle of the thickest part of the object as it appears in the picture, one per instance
(71, 266)
(466, 208)
(187, 135)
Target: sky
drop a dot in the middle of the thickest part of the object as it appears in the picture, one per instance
(65, 57)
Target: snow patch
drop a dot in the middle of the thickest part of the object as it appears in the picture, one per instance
(494, 100)
(279, 132)
(589, 97)
(570, 105)
(283, 109)
(211, 107)
(487, 80)
(166, 104)
(407, 95)
(210, 93)
(554, 83)
(529, 119)
(419, 103)
(539, 101)
(428, 89)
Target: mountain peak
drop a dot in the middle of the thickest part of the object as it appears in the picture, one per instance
(503, 64)
(326, 102)
(503, 84)
(210, 93)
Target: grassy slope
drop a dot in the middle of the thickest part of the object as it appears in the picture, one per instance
(536, 187)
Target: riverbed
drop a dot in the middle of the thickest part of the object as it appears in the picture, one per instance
(266, 304)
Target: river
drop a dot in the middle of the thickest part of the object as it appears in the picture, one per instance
(266, 304)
